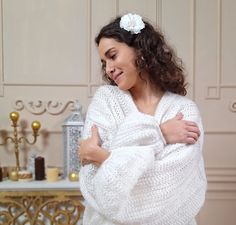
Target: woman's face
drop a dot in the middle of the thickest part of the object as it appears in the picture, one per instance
(118, 61)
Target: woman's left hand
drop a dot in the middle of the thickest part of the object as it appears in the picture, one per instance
(177, 130)
(90, 150)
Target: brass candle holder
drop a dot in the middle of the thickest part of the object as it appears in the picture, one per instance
(14, 116)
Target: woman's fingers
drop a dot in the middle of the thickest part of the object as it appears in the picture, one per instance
(190, 140)
(192, 127)
(85, 162)
(95, 135)
(192, 135)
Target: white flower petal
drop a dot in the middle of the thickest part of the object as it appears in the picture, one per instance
(132, 23)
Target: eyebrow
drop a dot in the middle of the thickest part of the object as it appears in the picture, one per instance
(107, 52)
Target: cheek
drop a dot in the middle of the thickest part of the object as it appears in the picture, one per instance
(131, 79)
(134, 77)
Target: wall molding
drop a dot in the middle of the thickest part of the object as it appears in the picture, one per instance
(46, 85)
(221, 174)
(89, 84)
(193, 47)
(117, 5)
(159, 13)
(221, 182)
(219, 132)
(214, 91)
(40, 107)
(91, 87)
(1, 52)
(216, 88)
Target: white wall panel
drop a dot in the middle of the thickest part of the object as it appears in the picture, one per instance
(228, 37)
(219, 212)
(98, 19)
(147, 9)
(1, 54)
(177, 25)
(215, 95)
(45, 42)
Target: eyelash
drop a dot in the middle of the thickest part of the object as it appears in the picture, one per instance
(113, 56)
(104, 64)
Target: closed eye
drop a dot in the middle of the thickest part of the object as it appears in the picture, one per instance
(113, 56)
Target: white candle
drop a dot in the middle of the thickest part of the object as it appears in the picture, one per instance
(52, 174)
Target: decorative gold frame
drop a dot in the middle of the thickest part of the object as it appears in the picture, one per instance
(40, 207)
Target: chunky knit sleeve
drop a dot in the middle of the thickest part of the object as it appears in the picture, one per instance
(98, 114)
(133, 150)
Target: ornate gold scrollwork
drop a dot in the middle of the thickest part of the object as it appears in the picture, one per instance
(40, 107)
(40, 208)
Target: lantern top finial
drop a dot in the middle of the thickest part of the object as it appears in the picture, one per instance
(77, 106)
(76, 117)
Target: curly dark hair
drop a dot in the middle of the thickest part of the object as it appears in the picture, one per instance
(154, 55)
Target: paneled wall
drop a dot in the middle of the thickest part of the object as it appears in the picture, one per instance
(215, 83)
(48, 60)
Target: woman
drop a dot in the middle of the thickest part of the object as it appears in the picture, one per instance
(142, 149)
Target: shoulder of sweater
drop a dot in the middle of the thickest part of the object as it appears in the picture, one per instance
(182, 100)
(107, 91)
(106, 96)
(184, 104)
(107, 88)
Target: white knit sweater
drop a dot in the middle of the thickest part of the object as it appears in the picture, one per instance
(144, 181)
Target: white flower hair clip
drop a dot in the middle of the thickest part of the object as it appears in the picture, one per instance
(132, 23)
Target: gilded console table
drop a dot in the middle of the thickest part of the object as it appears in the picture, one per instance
(40, 203)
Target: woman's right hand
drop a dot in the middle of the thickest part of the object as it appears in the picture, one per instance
(177, 130)
(90, 150)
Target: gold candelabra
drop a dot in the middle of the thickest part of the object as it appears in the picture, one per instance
(14, 116)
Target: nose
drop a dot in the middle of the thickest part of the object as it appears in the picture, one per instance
(110, 68)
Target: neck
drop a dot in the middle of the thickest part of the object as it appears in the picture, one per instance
(146, 97)
(144, 91)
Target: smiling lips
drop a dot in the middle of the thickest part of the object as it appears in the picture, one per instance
(117, 76)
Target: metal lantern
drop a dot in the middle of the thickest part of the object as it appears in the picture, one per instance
(72, 130)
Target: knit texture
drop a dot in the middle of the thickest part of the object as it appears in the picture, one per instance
(143, 181)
